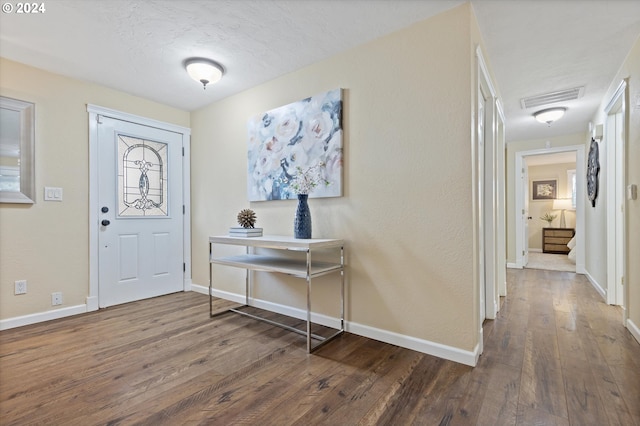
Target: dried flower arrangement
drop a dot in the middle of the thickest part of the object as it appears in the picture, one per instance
(306, 180)
(548, 217)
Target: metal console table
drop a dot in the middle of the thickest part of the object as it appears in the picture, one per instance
(305, 269)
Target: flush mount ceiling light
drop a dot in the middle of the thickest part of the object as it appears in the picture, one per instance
(549, 115)
(203, 70)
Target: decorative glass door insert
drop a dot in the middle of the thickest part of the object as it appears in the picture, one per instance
(142, 177)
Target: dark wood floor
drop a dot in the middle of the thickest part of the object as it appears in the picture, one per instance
(557, 355)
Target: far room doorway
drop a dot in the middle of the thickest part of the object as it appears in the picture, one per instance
(550, 209)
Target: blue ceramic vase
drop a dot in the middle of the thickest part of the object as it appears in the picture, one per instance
(302, 223)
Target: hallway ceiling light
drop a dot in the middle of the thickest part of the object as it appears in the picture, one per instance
(549, 115)
(203, 70)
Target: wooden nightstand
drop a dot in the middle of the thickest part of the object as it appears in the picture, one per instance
(554, 240)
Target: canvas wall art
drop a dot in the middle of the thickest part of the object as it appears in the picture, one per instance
(302, 135)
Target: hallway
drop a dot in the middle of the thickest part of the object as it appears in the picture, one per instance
(575, 361)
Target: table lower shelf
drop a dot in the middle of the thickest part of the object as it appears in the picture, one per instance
(264, 263)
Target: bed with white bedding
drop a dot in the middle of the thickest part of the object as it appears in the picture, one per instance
(572, 249)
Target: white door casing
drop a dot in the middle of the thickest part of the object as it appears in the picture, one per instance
(143, 250)
(490, 208)
(484, 197)
(525, 212)
(501, 223)
(487, 141)
(614, 141)
(620, 212)
(481, 211)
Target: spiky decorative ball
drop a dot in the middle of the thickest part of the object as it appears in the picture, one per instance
(247, 218)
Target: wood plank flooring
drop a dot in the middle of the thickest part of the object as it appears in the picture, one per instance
(556, 355)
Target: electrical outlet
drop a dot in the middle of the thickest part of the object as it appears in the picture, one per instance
(56, 298)
(21, 287)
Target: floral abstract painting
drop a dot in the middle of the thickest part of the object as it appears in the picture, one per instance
(297, 137)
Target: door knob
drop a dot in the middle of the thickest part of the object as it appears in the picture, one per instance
(105, 209)
(105, 222)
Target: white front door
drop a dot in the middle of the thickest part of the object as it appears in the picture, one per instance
(140, 237)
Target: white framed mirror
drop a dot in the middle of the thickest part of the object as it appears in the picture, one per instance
(17, 141)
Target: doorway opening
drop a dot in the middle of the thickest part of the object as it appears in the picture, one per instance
(551, 244)
(545, 179)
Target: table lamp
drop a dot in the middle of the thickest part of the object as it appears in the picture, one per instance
(562, 204)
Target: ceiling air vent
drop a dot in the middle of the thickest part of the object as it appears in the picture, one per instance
(552, 98)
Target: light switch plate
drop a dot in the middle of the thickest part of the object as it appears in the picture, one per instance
(52, 193)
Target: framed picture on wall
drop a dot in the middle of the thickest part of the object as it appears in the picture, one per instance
(544, 189)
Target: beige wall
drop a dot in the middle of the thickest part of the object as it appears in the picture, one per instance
(596, 226)
(47, 243)
(512, 149)
(538, 208)
(630, 69)
(406, 213)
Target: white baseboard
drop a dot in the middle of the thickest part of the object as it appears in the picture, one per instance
(425, 346)
(90, 306)
(42, 316)
(202, 289)
(595, 285)
(535, 250)
(633, 329)
(513, 266)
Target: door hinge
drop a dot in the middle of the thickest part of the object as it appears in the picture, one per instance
(184, 209)
(183, 151)
(99, 119)
(621, 280)
(184, 267)
(523, 252)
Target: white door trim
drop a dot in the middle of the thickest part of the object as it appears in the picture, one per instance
(485, 184)
(501, 234)
(580, 201)
(94, 111)
(616, 200)
(490, 187)
(519, 182)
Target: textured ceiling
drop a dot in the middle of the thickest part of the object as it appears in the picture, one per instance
(140, 46)
(533, 46)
